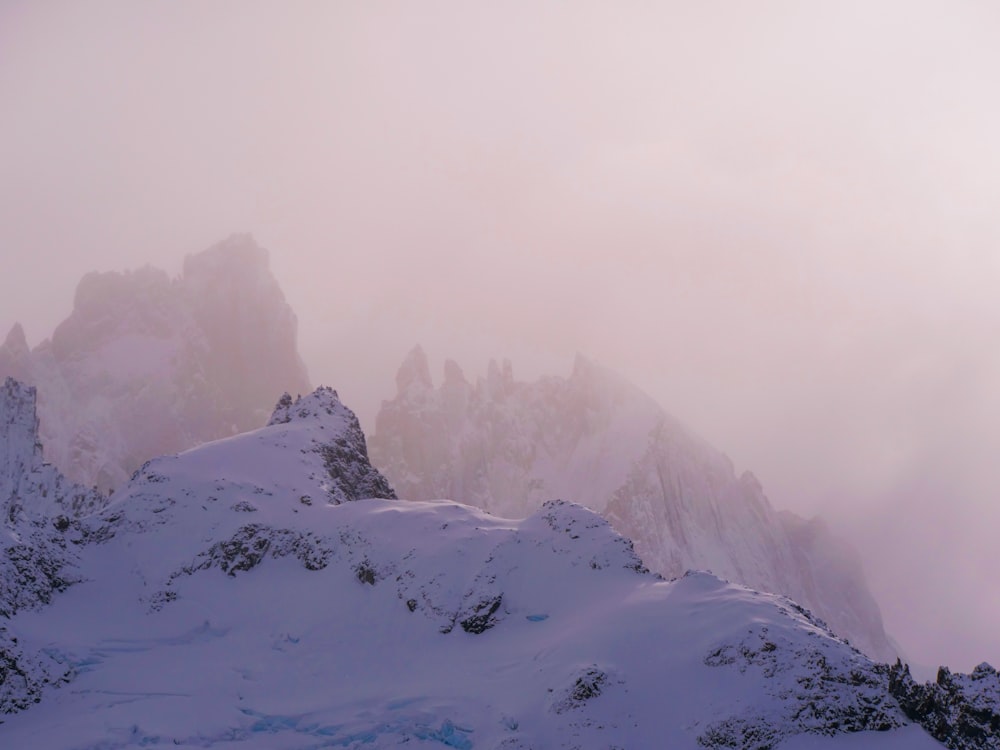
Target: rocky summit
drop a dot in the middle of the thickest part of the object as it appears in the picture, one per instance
(147, 364)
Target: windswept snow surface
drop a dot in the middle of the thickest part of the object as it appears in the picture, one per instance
(235, 597)
(508, 446)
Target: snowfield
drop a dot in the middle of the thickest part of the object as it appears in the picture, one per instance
(252, 593)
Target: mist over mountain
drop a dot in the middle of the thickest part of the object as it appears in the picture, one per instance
(268, 591)
(508, 446)
(147, 365)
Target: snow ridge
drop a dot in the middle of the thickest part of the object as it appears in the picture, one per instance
(508, 446)
(228, 598)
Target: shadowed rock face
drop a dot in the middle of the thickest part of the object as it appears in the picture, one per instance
(960, 710)
(508, 446)
(147, 365)
(39, 534)
(345, 455)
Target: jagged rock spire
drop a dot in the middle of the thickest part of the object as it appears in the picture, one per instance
(414, 372)
(147, 365)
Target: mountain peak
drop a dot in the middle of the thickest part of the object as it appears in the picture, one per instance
(16, 343)
(499, 378)
(147, 365)
(414, 371)
(14, 353)
(100, 292)
(593, 375)
(323, 401)
(453, 374)
(237, 253)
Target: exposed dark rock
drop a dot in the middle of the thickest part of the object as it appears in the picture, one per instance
(24, 677)
(588, 684)
(345, 454)
(962, 711)
(483, 617)
(365, 573)
(39, 509)
(249, 546)
(829, 697)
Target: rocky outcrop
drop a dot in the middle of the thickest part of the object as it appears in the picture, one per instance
(960, 710)
(23, 676)
(147, 365)
(812, 693)
(345, 455)
(39, 533)
(39, 509)
(508, 446)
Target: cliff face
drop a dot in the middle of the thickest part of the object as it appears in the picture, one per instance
(508, 446)
(38, 507)
(147, 365)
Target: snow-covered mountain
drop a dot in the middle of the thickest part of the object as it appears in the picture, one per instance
(147, 365)
(244, 595)
(508, 446)
(39, 531)
(250, 593)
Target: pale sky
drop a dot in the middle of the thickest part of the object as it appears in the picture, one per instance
(778, 218)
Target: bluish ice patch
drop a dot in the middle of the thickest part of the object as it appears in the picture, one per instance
(141, 739)
(365, 738)
(273, 723)
(538, 618)
(79, 664)
(123, 647)
(110, 647)
(448, 735)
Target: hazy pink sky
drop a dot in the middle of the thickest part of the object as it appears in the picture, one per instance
(778, 218)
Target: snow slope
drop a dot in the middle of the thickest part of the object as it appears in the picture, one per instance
(246, 594)
(508, 446)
